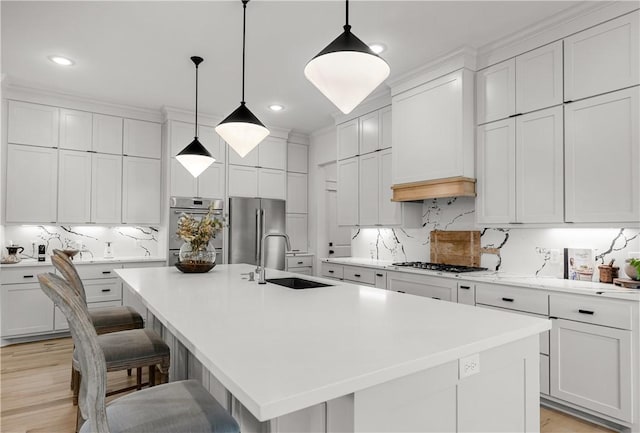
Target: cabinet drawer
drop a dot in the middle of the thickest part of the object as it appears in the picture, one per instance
(513, 298)
(591, 310)
(381, 279)
(544, 336)
(92, 272)
(298, 262)
(332, 271)
(103, 290)
(360, 275)
(466, 293)
(302, 271)
(23, 274)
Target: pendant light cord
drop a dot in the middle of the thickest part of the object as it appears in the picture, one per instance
(347, 27)
(244, 36)
(196, 126)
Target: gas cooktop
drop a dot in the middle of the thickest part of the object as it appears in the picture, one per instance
(456, 269)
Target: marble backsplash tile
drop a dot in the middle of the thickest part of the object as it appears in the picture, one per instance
(528, 251)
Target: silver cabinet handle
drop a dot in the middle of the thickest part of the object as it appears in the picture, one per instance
(258, 237)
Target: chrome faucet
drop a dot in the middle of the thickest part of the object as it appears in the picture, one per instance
(261, 269)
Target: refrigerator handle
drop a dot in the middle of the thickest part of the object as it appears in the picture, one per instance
(258, 237)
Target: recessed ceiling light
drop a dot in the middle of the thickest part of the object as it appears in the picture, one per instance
(276, 107)
(62, 61)
(377, 48)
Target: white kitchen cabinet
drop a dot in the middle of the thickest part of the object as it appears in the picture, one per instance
(385, 127)
(296, 193)
(603, 58)
(602, 150)
(466, 293)
(141, 184)
(106, 188)
(443, 146)
(74, 187)
(539, 78)
(211, 182)
(545, 380)
(272, 183)
(182, 183)
(369, 133)
(297, 231)
(347, 194)
(496, 92)
(369, 187)
(142, 138)
(32, 184)
(444, 289)
(540, 167)
(392, 213)
(348, 134)
(249, 160)
(25, 310)
(243, 181)
(591, 366)
(76, 130)
(33, 124)
(182, 133)
(212, 142)
(297, 158)
(107, 134)
(496, 183)
(272, 153)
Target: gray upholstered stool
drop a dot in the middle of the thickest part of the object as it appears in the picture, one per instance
(176, 407)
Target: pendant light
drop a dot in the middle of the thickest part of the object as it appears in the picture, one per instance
(241, 129)
(347, 70)
(195, 157)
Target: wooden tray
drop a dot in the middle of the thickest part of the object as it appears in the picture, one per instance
(624, 282)
(455, 247)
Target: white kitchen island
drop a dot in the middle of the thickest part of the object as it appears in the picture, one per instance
(345, 357)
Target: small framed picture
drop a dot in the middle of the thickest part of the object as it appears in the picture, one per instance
(579, 264)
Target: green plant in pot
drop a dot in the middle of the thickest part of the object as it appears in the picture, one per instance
(197, 254)
(632, 268)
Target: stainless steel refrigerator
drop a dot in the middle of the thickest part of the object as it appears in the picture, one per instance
(249, 220)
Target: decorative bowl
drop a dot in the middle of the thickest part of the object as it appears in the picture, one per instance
(630, 270)
(195, 267)
(70, 252)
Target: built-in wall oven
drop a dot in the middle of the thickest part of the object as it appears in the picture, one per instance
(197, 207)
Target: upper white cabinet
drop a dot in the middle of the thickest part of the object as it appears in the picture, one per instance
(32, 184)
(347, 206)
(107, 134)
(182, 183)
(369, 133)
(348, 139)
(141, 138)
(496, 88)
(539, 78)
(603, 58)
(365, 134)
(211, 183)
(385, 128)
(272, 183)
(249, 160)
(183, 133)
(297, 158)
(602, 150)
(106, 188)
(75, 130)
(33, 124)
(141, 184)
(368, 192)
(270, 153)
(243, 181)
(297, 231)
(74, 187)
(433, 130)
(296, 193)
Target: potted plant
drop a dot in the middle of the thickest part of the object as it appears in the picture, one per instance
(632, 268)
(196, 254)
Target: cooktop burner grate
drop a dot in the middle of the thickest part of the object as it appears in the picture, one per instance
(439, 267)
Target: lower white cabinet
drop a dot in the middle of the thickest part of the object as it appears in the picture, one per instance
(25, 310)
(544, 374)
(444, 289)
(141, 186)
(466, 293)
(591, 367)
(300, 264)
(297, 231)
(74, 187)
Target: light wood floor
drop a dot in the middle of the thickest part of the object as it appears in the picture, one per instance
(35, 394)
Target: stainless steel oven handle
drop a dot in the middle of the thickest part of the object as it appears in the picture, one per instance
(258, 237)
(177, 212)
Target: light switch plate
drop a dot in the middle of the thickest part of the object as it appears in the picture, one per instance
(469, 366)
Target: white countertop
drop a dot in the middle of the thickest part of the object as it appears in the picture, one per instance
(547, 283)
(88, 261)
(279, 350)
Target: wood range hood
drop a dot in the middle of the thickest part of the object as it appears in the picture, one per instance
(448, 187)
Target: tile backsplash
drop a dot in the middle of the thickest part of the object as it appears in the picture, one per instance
(528, 251)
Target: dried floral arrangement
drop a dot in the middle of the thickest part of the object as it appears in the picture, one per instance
(198, 233)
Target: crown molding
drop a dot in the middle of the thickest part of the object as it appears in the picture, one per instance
(299, 138)
(323, 131)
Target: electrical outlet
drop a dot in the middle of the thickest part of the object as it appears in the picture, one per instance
(469, 366)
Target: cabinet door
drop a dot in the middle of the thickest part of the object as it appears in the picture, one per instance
(273, 153)
(496, 172)
(213, 142)
(249, 160)
(389, 212)
(540, 167)
(496, 97)
(74, 187)
(181, 134)
(602, 58)
(106, 188)
(602, 150)
(32, 184)
(182, 183)
(142, 138)
(347, 206)
(243, 181)
(75, 130)
(348, 134)
(107, 134)
(369, 187)
(385, 128)
(25, 310)
(539, 78)
(297, 158)
(211, 183)
(297, 231)
(296, 193)
(140, 190)
(369, 133)
(591, 367)
(272, 183)
(33, 124)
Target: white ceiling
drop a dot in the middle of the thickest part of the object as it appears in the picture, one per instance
(137, 53)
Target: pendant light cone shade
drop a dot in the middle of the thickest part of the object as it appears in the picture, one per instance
(195, 157)
(242, 130)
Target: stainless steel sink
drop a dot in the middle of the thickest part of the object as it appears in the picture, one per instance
(296, 283)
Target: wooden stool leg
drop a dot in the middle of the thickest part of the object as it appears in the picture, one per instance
(73, 378)
(152, 375)
(128, 372)
(164, 370)
(76, 386)
(139, 378)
